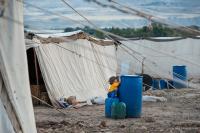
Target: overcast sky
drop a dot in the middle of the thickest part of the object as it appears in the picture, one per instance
(186, 12)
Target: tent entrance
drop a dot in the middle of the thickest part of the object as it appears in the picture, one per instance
(38, 88)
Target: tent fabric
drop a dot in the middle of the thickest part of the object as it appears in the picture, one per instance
(5, 123)
(81, 68)
(157, 39)
(15, 98)
(158, 64)
(64, 34)
(75, 35)
(31, 43)
(78, 68)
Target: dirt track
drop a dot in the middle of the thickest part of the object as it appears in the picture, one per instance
(180, 114)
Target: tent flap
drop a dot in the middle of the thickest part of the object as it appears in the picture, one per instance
(15, 97)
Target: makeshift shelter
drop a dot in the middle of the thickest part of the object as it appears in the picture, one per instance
(16, 110)
(80, 65)
(74, 64)
(156, 56)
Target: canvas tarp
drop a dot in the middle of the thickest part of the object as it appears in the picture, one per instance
(156, 63)
(77, 68)
(16, 110)
(75, 35)
(67, 73)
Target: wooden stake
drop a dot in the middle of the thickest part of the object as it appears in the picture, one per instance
(36, 67)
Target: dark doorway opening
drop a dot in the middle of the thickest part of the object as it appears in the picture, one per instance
(37, 84)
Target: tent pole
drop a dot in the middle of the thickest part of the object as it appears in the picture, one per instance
(48, 104)
(36, 67)
(143, 65)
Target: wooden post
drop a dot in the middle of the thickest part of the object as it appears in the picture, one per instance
(36, 67)
(143, 65)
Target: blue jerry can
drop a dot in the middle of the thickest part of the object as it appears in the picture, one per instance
(118, 110)
(108, 104)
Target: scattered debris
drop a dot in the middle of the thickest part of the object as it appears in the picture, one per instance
(98, 100)
(71, 100)
(149, 119)
(153, 99)
(179, 115)
(122, 126)
(80, 123)
(188, 124)
(103, 124)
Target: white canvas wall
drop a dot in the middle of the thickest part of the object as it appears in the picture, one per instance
(160, 64)
(16, 110)
(82, 74)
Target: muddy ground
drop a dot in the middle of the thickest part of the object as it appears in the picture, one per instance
(180, 114)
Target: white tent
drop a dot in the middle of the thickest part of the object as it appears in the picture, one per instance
(156, 62)
(81, 68)
(16, 110)
(77, 67)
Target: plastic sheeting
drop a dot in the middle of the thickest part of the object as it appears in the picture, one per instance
(158, 64)
(78, 68)
(5, 123)
(64, 34)
(16, 110)
(31, 44)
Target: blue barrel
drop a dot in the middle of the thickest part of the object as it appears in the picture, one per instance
(155, 84)
(179, 76)
(108, 105)
(163, 84)
(130, 92)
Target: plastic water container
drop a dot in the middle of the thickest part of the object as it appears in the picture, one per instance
(108, 105)
(130, 92)
(118, 110)
(155, 84)
(163, 84)
(179, 76)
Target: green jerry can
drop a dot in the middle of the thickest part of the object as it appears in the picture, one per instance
(118, 110)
